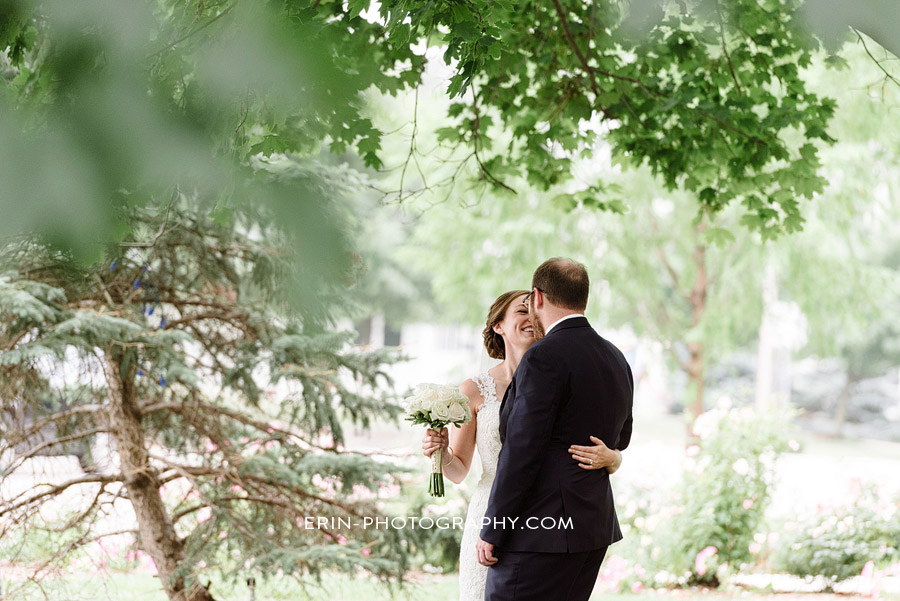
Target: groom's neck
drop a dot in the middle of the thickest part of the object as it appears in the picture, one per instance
(554, 314)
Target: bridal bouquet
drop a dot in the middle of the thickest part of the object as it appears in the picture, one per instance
(437, 406)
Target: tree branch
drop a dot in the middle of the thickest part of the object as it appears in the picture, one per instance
(475, 139)
(875, 60)
(193, 32)
(725, 47)
(56, 489)
(36, 427)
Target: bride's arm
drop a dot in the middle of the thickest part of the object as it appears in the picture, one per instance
(597, 456)
(461, 441)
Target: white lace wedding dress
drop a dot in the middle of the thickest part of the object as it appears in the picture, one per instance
(473, 575)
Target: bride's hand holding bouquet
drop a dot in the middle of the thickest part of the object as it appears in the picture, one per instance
(436, 407)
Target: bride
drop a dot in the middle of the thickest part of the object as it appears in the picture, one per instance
(508, 333)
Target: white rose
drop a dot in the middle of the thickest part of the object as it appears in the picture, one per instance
(457, 412)
(424, 391)
(411, 404)
(426, 405)
(440, 411)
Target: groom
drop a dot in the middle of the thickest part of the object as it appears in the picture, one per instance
(549, 522)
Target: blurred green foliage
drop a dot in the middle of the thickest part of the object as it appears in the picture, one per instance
(708, 94)
(701, 532)
(838, 544)
(112, 104)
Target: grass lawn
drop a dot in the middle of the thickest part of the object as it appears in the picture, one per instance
(144, 587)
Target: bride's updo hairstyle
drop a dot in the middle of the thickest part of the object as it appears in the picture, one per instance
(493, 342)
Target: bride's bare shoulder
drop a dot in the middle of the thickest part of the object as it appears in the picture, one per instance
(470, 389)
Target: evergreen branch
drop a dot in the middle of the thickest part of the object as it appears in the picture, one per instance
(103, 289)
(228, 317)
(56, 489)
(235, 415)
(162, 226)
(231, 498)
(77, 518)
(56, 441)
(36, 427)
(233, 474)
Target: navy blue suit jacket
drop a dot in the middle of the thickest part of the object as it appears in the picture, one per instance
(570, 385)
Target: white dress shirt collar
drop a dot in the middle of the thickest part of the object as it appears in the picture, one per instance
(558, 321)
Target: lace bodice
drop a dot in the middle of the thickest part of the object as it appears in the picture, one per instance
(487, 435)
(472, 575)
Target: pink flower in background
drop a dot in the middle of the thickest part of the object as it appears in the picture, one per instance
(223, 534)
(146, 562)
(637, 587)
(362, 493)
(389, 491)
(236, 488)
(211, 446)
(270, 444)
(615, 569)
(341, 539)
(702, 556)
(748, 503)
(204, 514)
(872, 578)
(366, 551)
(868, 570)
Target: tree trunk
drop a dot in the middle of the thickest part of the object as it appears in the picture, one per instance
(696, 389)
(843, 403)
(765, 356)
(695, 366)
(157, 533)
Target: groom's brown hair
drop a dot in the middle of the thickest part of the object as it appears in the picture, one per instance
(564, 282)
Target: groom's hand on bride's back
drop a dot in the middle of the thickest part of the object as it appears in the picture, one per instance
(484, 552)
(434, 440)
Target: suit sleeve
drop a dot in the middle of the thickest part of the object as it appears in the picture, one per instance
(538, 395)
(625, 435)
